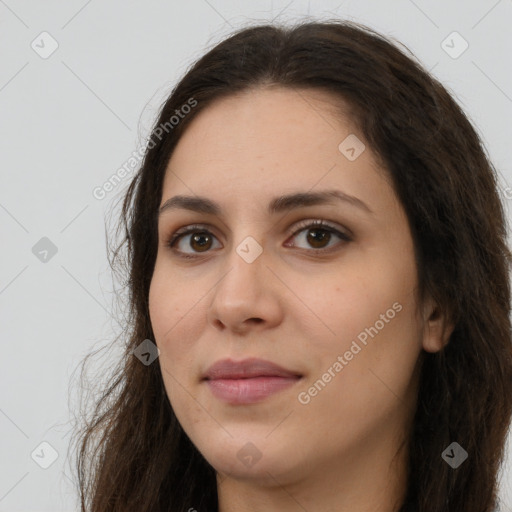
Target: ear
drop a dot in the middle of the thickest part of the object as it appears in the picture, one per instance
(437, 327)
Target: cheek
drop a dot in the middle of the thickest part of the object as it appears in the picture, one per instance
(372, 306)
(168, 313)
(161, 307)
(381, 335)
(334, 307)
(177, 316)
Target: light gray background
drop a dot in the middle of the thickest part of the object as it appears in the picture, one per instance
(69, 121)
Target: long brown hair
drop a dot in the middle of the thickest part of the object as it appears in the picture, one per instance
(133, 454)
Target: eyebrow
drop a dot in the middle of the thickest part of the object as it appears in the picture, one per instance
(279, 204)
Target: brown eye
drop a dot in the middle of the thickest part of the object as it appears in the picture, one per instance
(201, 241)
(317, 237)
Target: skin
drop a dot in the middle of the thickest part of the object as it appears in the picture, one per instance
(291, 306)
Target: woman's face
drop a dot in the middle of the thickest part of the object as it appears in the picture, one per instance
(335, 305)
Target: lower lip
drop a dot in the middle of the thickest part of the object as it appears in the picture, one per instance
(249, 391)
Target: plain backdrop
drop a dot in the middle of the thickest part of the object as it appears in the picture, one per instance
(80, 85)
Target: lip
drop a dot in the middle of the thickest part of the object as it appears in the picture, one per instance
(248, 381)
(249, 391)
(246, 369)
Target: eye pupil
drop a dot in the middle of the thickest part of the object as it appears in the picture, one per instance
(318, 237)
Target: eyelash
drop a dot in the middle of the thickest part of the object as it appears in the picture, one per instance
(303, 226)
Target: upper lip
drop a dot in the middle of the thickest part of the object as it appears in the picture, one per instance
(245, 369)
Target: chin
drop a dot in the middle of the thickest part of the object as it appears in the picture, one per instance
(261, 460)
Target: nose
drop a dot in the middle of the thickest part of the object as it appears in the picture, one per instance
(246, 296)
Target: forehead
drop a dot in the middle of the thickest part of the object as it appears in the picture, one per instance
(262, 122)
(264, 142)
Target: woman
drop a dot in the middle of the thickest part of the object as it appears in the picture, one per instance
(317, 248)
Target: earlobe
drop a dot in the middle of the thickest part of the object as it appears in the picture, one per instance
(437, 329)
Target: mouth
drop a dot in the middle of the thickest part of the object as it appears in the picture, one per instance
(248, 381)
(251, 390)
